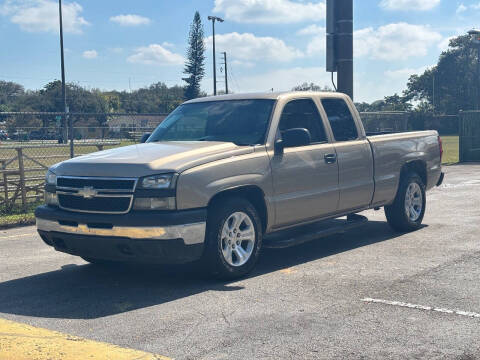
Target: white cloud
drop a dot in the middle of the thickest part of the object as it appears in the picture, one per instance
(167, 44)
(311, 30)
(404, 74)
(461, 8)
(395, 41)
(90, 54)
(409, 5)
(443, 45)
(271, 11)
(130, 20)
(155, 54)
(317, 44)
(475, 6)
(250, 48)
(42, 15)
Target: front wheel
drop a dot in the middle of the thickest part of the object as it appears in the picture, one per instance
(234, 238)
(407, 211)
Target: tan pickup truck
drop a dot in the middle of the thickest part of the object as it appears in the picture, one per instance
(222, 176)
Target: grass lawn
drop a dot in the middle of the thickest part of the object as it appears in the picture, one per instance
(17, 216)
(450, 149)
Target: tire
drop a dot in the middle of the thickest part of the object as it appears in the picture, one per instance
(222, 255)
(407, 211)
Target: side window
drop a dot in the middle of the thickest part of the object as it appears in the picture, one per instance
(303, 113)
(341, 119)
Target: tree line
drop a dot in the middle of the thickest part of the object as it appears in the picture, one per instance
(446, 88)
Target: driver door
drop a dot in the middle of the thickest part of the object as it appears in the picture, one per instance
(305, 178)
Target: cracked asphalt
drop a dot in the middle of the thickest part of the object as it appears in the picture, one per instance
(302, 302)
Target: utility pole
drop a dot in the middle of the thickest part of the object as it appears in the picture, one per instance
(340, 43)
(213, 19)
(226, 71)
(64, 93)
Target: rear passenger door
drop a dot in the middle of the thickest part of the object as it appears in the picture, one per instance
(305, 179)
(355, 160)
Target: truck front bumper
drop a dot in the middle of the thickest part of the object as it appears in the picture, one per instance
(147, 237)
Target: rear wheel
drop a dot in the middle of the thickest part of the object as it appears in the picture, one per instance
(407, 211)
(234, 238)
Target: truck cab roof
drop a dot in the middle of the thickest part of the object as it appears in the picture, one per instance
(284, 95)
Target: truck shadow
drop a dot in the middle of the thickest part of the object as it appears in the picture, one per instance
(89, 291)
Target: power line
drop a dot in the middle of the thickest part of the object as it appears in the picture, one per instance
(234, 77)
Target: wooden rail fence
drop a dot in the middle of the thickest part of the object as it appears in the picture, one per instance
(23, 167)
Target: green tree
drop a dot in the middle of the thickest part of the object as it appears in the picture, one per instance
(311, 87)
(397, 103)
(389, 103)
(195, 64)
(451, 85)
(9, 92)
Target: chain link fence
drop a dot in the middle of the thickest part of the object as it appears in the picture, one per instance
(380, 122)
(32, 142)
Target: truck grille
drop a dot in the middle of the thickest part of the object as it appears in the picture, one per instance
(96, 204)
(95, 195)
(113, 184)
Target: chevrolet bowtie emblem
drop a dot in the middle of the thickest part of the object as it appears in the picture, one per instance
(87, 192)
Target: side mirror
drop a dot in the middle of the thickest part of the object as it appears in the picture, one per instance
(144, 138)
(279, 147)
(296, 137)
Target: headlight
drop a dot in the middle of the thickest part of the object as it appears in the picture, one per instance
(167, 203)
(50, 178)
(164, 181)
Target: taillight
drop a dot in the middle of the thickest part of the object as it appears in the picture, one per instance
(440, 145)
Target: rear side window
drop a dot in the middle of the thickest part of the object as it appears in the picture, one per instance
(303, 113)
(341, 119)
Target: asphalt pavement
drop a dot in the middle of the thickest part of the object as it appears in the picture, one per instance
(369, 293)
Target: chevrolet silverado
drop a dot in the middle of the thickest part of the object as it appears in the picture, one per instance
(222, 175)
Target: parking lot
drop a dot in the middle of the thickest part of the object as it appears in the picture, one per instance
(370, 293)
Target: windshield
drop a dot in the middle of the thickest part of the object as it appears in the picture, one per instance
(243, 122)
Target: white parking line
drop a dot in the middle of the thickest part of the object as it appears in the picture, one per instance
(422, 307)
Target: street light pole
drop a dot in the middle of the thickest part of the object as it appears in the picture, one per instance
(213, 19)
(64, 93)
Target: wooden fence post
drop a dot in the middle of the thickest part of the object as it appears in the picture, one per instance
(21, 169)
(5, 184)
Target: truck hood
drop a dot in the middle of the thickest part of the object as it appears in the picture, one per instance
(148, 159)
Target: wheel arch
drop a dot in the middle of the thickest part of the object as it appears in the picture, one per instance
(252, 193)
(417, 166)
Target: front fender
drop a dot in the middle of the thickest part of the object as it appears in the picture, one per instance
(197, 186)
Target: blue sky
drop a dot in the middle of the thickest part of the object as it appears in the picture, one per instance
(270, 43)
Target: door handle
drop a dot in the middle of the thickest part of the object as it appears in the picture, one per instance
(330, 158)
